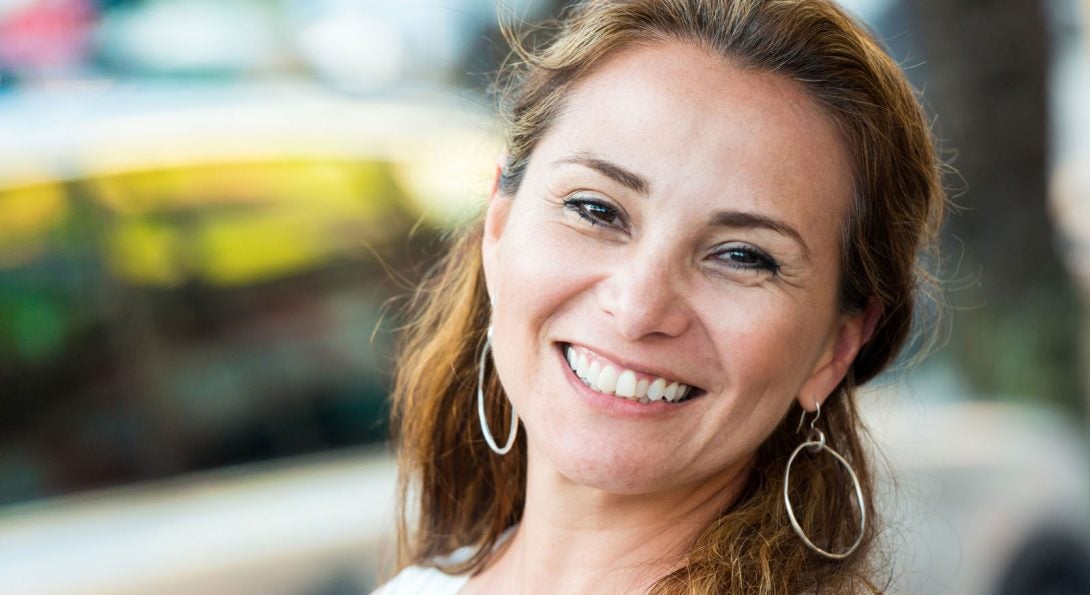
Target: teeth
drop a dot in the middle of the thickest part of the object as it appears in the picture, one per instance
(620, 382)
(584, 367)
(656, 389)
(593, 373)
(626, 384)
(671, 392)
(607, 380)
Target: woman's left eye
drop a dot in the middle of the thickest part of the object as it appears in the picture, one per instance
(747, 258)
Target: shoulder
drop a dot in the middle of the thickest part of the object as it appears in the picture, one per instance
(419, 579)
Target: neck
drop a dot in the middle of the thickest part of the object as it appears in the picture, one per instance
(578, 539)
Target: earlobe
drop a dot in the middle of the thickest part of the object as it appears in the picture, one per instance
(855, 330)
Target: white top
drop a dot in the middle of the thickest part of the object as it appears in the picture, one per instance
(421, 580)
(418, 580)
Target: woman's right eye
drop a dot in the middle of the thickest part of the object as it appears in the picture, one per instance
(593, 211)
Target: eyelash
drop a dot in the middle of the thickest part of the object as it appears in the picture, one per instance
(590, 210)
(755, 260)
(597, 212)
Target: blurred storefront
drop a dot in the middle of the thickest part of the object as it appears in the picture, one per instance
(211, 215)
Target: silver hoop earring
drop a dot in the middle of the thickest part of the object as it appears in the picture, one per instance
(815, 442)
(480, 403)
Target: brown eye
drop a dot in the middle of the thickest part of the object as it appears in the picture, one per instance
(593, 211)
(748, 258)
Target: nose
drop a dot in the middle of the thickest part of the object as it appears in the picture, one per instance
(644, 298)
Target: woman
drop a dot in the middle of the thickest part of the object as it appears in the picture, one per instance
(706, 226)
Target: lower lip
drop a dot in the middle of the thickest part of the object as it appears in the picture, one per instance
(618, 406)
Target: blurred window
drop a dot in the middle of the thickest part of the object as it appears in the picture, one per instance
(165, 320)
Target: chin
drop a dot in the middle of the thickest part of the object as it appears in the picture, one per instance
(622, 471)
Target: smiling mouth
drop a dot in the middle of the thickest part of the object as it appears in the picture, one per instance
(603, 376)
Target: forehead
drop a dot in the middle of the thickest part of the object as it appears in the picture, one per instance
(698, 127)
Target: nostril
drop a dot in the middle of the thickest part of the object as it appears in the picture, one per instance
(643, 301)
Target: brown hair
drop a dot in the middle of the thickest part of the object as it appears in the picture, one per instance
(455, 492)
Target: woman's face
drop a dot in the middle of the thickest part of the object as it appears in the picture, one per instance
(680, 220)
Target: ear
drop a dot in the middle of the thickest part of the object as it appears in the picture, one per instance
(495, 221)
(853, 332)
(501, 161)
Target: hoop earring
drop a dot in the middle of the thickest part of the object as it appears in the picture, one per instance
(480, 403)
(815, 442)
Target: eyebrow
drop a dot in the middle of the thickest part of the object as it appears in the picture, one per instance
(622, 176)
(747, 220)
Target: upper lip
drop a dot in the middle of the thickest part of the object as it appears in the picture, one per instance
(649, 369)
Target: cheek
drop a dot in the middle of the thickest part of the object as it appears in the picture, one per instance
(542, 261)
(536, 272)
(541, 274)
(765, 341)
(765, 346)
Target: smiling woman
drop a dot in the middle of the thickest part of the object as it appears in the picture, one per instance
(706, 225)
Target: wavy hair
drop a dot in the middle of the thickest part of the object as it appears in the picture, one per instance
(455, 493)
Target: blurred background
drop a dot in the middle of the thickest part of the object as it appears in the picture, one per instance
(211, 214)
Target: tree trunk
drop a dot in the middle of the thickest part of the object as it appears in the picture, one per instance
(1016, 316)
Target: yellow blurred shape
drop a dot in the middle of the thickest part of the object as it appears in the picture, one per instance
(240, 184)
(31, 210)
(237, 252)
(146, 252)
(233, 224)
(26, 216)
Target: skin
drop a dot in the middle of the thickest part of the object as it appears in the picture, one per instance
(659, 278)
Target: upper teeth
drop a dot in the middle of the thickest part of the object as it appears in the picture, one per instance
(608, 378)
